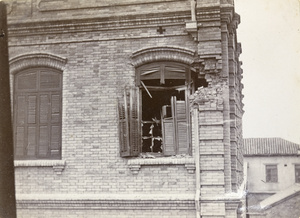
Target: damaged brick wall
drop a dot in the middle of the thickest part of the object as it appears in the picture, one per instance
(99, 43)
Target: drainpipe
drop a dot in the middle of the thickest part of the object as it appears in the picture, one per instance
(197, 162)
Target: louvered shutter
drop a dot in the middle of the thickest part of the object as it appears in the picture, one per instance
(44, 126)
(169, 142)
(31, 125)
(176, 129)
(129, 123)
(25, 115)
(55, 131)
(169, 132)
(38, 114)
(134, 125)
(20, 120)
(182, 128)
(123, 127)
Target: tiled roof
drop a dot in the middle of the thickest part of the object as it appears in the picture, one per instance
(269, 146)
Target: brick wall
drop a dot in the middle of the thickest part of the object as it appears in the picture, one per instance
(98, 42)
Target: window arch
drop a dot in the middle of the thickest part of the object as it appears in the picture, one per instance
(37, 113)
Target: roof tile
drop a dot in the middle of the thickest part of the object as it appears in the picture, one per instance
(269, 146)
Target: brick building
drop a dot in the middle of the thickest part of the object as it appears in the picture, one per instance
(126, 108)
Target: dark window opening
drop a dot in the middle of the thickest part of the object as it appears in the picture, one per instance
(153, 111)
(200, 82)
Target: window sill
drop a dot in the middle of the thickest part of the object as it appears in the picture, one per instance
(58, 165)
(188, 162)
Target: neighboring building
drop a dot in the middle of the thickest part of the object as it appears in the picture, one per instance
(103, 93)
(273, 177)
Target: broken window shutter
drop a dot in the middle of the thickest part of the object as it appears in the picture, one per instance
(134, 125)
(168, 137)
(123, 127)
(182, 127)
(169, 133)
(176, 130)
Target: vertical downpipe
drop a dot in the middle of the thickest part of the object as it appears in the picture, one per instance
(7, 177)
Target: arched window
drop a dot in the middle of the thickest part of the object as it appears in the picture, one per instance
(37, 113)
(154, 116)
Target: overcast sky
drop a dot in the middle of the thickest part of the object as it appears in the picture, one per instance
(270, 35)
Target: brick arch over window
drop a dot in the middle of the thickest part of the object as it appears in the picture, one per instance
(175, 54)
(27, 61)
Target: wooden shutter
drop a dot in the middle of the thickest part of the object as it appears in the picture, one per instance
(129, 123)
(176, 130)
(26, 81)
(134, 124)
(55, 131)
(168, 133)
(37, 118)
(44, 130)
(31, 125)
(182, 129)
(123, 127)
(20, 120)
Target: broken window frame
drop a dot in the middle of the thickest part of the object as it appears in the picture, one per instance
(132, 100)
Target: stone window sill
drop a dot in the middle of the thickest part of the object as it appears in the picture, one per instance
(58, 165)
(135, 164)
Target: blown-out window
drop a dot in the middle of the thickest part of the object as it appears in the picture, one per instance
(154, 116)
(37, 114)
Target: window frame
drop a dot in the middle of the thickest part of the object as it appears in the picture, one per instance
(49, 92)
(133, 147)
(163, 66)
(269, 171)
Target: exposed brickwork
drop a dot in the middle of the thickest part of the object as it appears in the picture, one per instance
(98, 47)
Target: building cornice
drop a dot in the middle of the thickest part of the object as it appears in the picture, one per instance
(105, 201)
(31, 27)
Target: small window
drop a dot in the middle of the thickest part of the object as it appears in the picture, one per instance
(297, 173)
(271, 173)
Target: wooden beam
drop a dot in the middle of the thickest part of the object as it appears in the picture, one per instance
(7, 178)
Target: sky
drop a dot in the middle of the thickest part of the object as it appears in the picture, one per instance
(270, 35)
